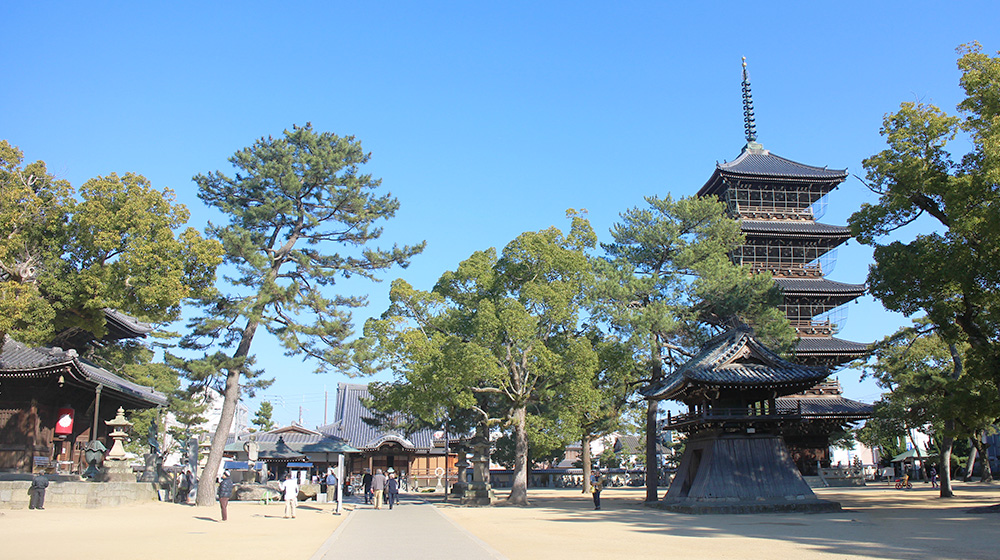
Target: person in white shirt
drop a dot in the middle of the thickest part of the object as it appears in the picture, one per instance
(290, 489)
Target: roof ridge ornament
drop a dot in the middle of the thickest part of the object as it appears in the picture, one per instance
(749, 123)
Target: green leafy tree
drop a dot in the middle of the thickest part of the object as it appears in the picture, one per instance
(929, 387)
(608, 459)
(668, 284)
(292, 199)
(263, 419)
(497, 333)
(885, 430)
(951, 274)
(604, 402)
(67, 254)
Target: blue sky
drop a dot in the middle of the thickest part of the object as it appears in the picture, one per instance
(484, 119)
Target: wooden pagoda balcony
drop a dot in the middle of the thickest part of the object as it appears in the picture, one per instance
(773, 213)
(814, 328)
(787, 270)
(742, 416)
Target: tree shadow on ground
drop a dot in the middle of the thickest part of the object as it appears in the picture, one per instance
(876, 522)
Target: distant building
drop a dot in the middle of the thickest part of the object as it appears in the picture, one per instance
(291, 448)
(420, 457)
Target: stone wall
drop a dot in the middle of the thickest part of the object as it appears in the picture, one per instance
(14, 494)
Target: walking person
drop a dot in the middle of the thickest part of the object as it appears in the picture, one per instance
(225, 492)
(331, 486)
(37, 491)
(391, 489)
(378, 487)
(184, 484)
(290, 491)
(366, 481)
(596, 485)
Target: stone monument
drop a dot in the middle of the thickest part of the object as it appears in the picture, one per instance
(479, 492)
(153, 462)
(118, 467)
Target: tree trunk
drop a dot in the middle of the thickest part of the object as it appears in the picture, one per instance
(987, 470)
(652, 464)
(971, 462)
(519, 490)
(652, 429)
(585, 451)
(944, 469)
(206, 483)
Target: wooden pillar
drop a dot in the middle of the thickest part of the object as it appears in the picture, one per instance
(97, 412)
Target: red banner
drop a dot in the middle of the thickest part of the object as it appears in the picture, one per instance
(64, 425)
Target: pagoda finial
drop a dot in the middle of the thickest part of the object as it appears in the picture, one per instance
(748, 120)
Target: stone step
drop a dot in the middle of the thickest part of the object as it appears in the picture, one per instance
(814, 482)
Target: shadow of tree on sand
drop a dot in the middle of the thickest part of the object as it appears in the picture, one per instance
(876, 522)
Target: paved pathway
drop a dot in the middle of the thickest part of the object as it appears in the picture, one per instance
(413, 529)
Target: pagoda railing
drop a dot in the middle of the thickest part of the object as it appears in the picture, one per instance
(774, 213)
(811, 327)
(741, 415)
(788, 270)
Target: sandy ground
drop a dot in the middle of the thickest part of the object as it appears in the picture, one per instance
(878, 522)
(166, 531)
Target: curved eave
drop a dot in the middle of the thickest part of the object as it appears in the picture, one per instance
(819, 287)
(679, 391)
(796, 229)
(759, 164)
(376, 443)
(830, 346)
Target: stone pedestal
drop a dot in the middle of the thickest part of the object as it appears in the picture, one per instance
(149, 471)
(479, 493)
(463, 469)
(118, 470)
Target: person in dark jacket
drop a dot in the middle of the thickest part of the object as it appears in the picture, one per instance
(392, 489)
(225, 492)
(366, 481)
(37, 491)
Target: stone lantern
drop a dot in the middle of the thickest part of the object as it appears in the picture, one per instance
(118, 468)
(119, 431)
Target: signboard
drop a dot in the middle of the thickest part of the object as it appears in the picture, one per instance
(243, 465)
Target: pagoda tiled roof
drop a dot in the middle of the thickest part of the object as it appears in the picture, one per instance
(762, 164)
(126, 326)
(20, 360)
(350, 424)
(118, 325)
(818, 287)
(824, 406)
(821, 345)
(794, 228)
(735, 359)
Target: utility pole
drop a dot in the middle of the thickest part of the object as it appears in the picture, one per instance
(325, 395)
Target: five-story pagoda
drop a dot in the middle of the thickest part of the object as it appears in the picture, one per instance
(778, 201)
